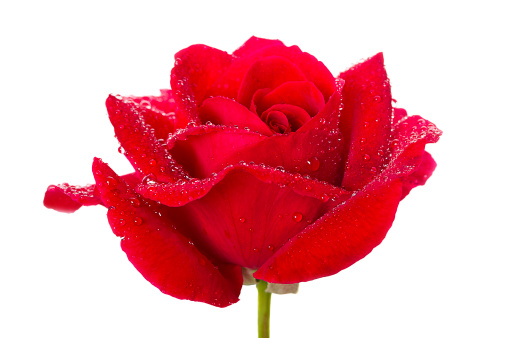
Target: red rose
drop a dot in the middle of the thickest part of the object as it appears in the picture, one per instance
(260, 160)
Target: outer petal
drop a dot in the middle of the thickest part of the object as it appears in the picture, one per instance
(338, 239)
(410, 137)
(140, 143)
(246, 212)
(69, 198)
(224, 111)
(420, 175)
(165, 257)
(269, 72)
(195, 70)
(366, 121)
(159, 113)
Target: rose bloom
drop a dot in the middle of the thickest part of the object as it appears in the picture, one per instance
(257, 162)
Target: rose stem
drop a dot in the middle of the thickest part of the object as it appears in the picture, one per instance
(264, 299)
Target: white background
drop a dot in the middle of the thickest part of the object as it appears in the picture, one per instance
(441, 272)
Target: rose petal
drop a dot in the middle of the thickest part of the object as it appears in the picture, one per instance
(165, 257)
(224, 111)
(398, 115)
(410, 137)
(277, 121)
(195, 70)
(69, 198)
(246, 212)
(159, 113)
(254, 44)
(268, 72)
(204, 150)
(338, 239)
(315, 149)
(295, 116)
(303, 94)
(366, 121)
(420, 175)
(183, 192)
(140, 143)
(229, 83)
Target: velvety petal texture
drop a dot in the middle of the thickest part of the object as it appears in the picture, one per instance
(259, 161)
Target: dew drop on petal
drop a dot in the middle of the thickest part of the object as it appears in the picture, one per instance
(134, 202)
(255, 250)
(373, 170)
(242, 220)
(313, 164)
(366, 157)
(362, 140)
(111, 181)
(324, 197)
(121, 221)
(297, 217)
(138, 221)
(152, 162)
(271, 248)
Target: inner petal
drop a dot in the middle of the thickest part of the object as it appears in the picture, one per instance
(295, 116)
(302, 94)
(277, 121)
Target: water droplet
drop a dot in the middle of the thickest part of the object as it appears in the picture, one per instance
(162, 169)
(138, 221)
(121, 127)
(377, 98)
(366, 157)
(324, 197)
(111, 181)
(366, 124)
(121, 221)
(255, 250)
(362, 140)
(297, 217)
(313, 164)
(308, 188)
(134, 202)
(297, 168)
(152, 162)
(271, 248)
(298, 177)
(242, 220)
(380, 153)
(98, 172)
(373, 170)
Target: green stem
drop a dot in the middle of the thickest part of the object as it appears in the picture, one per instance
(264, 305)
